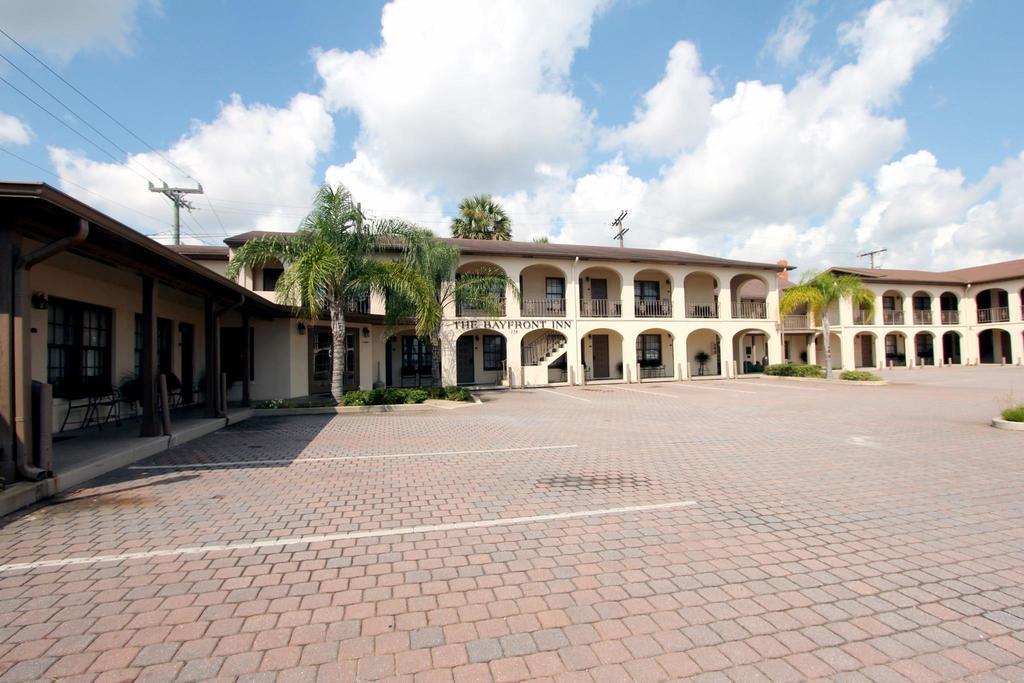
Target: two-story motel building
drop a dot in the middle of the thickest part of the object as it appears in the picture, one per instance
(86, 302)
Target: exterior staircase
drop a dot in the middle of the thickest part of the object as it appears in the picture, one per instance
(545, 350)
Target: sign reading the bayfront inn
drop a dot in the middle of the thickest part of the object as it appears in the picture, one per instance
(511, 326)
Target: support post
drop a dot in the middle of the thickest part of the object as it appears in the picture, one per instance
(165, 406)
(147, 368)
(246, 359)
(210, 391)
(7, 468)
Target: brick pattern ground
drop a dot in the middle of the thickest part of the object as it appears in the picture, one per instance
(840, 532)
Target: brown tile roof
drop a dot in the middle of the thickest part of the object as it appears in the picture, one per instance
(564, 251)
(200, 252)
(992, 272)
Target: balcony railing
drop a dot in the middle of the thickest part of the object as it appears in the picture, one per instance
(600, 308)
(890, 317)
(653, 308)
(702, 310)
(655, 371)
(861, 317)
(543, 308)
(1000, 314)
(475, 311)
(361, 305)
(751, 309)
(797, 322)
(950, 317)
(922, 317)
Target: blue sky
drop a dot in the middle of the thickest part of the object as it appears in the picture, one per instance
(807, 130)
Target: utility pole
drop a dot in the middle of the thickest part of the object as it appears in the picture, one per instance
(871, 255)
(617, 223)
(177, 197)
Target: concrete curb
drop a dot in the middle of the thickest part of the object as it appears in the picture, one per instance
(821, 380)
(25, 493)
(1000, 423)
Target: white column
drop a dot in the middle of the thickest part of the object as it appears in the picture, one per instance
(812, 350)
(880, 349)
(846, 352)
(514, 359)
(1016, 347)
(449, 369)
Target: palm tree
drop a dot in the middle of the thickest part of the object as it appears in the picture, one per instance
(481, 218)
(818, 291)
(426, 283)
(328, 261)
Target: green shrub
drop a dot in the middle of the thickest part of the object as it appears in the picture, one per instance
(794, 370)
(416, 396)
(457, 394)
(278, 403)
(385, 397)
(859, 376)
(1014, 414)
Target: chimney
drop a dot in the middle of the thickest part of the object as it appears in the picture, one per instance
(783, 270)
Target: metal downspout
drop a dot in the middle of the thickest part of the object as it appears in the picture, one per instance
(22, 338)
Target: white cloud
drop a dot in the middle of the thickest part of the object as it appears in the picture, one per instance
(790, 38)
(14, 131)
(675, 112)
(256, 162)
(62, 29)
(464, 96)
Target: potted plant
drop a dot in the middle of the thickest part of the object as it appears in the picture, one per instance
(702, 359)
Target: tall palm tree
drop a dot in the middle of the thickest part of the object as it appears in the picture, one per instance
(329, 260)
(818, 291)
(427, 282)
(481, 218)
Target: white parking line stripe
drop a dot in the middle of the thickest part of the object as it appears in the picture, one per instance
(559, 393)
(344, 457)
(324, 538)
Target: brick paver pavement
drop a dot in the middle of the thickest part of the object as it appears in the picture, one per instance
(838, 532)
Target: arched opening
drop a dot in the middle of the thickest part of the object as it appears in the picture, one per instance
(892, 307)
(922, 304)
(835, 349)
(652, 294)
(544, 357)
(796, 348)
(994, 347)
(951, 348)
(701, 292)
(993, 306)
(864, 350)
(704, 353)
(474, 310)
(408, 361)
(950, 308)
(749, 297)
(895, 349)
(480, 358)
(863, 315)
(654, 354)
(750, 349)
(601, 351)
(543, 289)
(600, 293)
(924, 348)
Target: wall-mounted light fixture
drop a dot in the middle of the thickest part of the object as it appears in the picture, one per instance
(366, 331)
(40, 301)
(301, 327)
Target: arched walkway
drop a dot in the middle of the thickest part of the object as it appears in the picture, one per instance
(408, 360)
(924, 348)
(864, 350)
(892, 308)
(951, 348)
(655, 356)
(922, 303)
(600, 293)
(749, 297)
(750, 349)
(652, 294)
(476, 310)
(543, 289)
(601, 351)
(835, 349)
(993, 306)
(949, 305)
(701, 292)
(544, 357)
(480, 357)
(994, 347)
(895, 349)
(704, 353)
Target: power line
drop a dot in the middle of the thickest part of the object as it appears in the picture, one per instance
(79, 117)
(93, 103)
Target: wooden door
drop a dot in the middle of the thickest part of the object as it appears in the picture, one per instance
(465, 371)
(600, 352)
